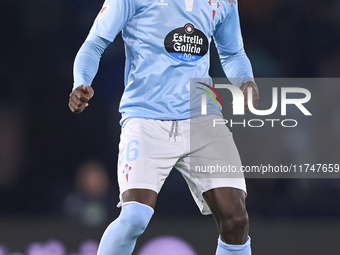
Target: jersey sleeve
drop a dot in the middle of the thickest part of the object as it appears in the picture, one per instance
(229, 44)
(227, 35)
(87, 60)
(112, 18)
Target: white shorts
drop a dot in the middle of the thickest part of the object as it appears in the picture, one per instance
(149, 149)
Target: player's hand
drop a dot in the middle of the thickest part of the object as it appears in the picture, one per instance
(79, 98)
(256, 98)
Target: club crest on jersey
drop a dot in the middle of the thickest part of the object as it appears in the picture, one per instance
(105, 7)
(215, 5)
(126, 171)
(186, 43)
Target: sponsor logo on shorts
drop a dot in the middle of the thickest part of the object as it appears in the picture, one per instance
(186, 43)
(126, 171)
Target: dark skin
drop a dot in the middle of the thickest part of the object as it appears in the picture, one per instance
(79, 98)
(226, 204)
(256, 98)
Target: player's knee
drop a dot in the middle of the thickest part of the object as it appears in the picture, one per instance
(234, 223)
(136, 216)
(240, 221)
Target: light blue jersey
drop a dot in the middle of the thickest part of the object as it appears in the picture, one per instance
(166, 43)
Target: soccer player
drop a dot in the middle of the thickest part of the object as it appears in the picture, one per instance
(166, 44)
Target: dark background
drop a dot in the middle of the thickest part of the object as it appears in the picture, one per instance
(43, 145)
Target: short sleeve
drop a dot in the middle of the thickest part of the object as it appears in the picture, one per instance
(227, 35)
(112, 18)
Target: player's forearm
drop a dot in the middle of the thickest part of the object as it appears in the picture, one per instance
(87, 60)
(237, 68)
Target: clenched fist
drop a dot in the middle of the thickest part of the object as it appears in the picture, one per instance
(79, 98)
(256, 98)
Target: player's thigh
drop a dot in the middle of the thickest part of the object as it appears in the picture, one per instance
(225, 201)
(145, 159)
(144, 196)
(225, 188)
(213, 163)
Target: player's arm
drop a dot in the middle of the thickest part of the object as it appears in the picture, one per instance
(85, 69)
(235, 63)
(112, 18)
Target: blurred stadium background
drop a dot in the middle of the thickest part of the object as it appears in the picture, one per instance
(57, 170)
